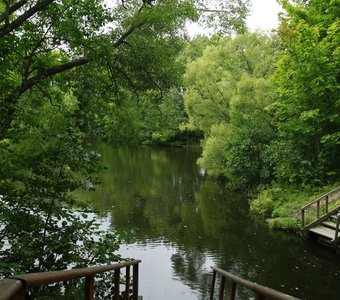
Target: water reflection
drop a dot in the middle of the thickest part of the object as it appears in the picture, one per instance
(180, 223)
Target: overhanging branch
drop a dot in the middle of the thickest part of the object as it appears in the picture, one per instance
(7, 110)
(25, 16)
(12, 9)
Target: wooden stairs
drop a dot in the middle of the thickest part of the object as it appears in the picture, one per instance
(327, 232)
(325, 224)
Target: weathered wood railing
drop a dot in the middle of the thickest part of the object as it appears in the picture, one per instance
(261, 292)
(337, 228)
(316, 222)
(321, 202)
(14, 287)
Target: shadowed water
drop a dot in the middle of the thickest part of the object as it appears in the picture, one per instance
(180, 223)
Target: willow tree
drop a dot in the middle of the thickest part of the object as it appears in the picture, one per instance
(228, 90)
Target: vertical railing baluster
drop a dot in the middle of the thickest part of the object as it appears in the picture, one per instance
(233, 291)
(212, 285)
(117, 283)
(89, 288)
(127, 283)
(303, 217)
(337, 227)
(326, 207)
(20, 295)
(135, 282)
(318, 209)
(259, 297)
(220, 295)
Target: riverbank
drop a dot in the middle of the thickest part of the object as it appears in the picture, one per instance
(281, 205)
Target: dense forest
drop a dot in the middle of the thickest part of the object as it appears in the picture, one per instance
(264, 107)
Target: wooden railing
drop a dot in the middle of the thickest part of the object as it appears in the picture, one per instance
(14, 287)
(320, 220)
(261, 292)
(337, 228)
(318, 204)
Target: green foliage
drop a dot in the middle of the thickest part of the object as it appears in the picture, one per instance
(282, 204)
(228, 17)
(288, 224)
(228, 90)
(66, 67)
(214, 147)
(263, 205)
(259, 127)
(42, 227)
(150, 121)
(307, 109)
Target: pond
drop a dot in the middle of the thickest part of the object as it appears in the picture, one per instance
(180, 223)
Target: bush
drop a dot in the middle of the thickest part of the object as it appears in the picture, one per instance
(263, 205)
(286, 223)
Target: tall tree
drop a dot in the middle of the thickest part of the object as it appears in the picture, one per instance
(228, 90)
(307, 110)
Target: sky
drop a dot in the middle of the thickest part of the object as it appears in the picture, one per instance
(264, 15)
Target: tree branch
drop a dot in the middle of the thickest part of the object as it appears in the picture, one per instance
(24, 17)
(121, 40)
(7, 109)
(48, 73)
(11, 9)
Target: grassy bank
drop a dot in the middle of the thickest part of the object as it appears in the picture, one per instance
(281, 205)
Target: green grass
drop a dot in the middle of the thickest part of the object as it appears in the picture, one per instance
(281, 205)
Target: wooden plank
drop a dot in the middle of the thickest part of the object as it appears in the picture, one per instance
(329, 224)
(334, 218)
(324, 231)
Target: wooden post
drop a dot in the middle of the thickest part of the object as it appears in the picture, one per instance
(259, 297)
(220, 296)
(89, 288)
(326, 207)
(135, 282)
(20, 295)
(337, 227)
(127, 283)
(318, 209)
(117, 283)
(212, 285)
(233, 291)
(303, 217)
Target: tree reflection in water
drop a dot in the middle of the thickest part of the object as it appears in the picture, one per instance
(158, 198)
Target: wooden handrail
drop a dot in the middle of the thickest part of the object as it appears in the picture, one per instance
(317, 202)
(319, 221)
(9, 288)
(13, 287)
(321, 197)
(260, 291)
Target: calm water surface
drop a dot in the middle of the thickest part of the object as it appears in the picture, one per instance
(180, 223)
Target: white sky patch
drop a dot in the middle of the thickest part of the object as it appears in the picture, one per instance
(264, 15)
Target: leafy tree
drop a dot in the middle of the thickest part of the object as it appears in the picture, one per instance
(228, 90)
(62, 63)
(307, 110)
